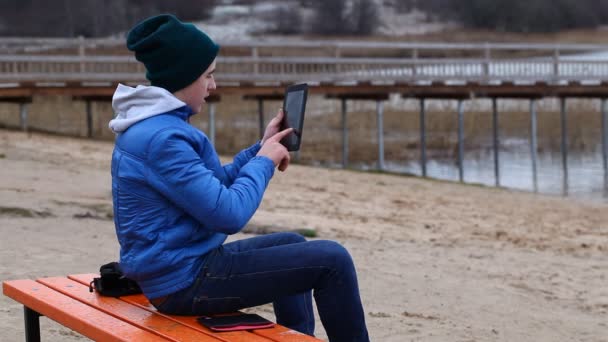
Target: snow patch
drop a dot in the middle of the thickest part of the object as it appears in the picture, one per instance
(411, 23)
(231, 21)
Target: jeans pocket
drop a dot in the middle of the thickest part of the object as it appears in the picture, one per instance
(211, 306)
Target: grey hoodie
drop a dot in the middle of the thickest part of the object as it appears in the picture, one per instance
(132, 105)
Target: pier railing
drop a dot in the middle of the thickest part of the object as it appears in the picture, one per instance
(72, 60)
(454, 71)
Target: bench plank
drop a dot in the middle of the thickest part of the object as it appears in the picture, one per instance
(134, 315)
(278, 333)
(74, 314)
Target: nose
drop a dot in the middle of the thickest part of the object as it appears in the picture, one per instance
(211, 85)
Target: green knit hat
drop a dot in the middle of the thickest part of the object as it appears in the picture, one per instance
(175, 53)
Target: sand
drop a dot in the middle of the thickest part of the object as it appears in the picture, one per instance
(437, 261)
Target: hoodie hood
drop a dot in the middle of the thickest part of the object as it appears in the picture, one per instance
(132, 105)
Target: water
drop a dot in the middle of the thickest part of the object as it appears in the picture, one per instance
(585, 179)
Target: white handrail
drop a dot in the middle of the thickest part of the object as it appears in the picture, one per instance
(334, 68)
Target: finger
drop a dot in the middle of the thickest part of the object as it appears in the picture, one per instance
(277, 118)
(282, 134)
(284, 163)
(282, 166)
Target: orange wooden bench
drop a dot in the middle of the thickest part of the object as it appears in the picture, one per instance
(68, 301)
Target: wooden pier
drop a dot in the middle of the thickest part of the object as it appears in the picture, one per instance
(347, 71)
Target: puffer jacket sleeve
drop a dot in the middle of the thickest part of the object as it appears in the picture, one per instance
(177, 171)
(242, 158)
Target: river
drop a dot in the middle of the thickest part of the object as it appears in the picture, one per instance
(585, 173)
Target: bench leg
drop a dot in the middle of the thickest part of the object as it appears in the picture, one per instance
(32, 325)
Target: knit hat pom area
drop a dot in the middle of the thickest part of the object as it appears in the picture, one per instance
(175, 53)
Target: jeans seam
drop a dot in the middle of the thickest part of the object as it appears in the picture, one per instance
(273, 271)
(202, 298)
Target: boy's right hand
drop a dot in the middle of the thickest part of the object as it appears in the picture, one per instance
(273, 149)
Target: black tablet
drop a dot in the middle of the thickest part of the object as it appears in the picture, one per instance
(294, 105)
(235, 322)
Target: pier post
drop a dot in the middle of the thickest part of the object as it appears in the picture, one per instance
(496, 142)
(344, 135)
(89, 118)
(460, 140)
(422, 137)
(380, 124)
(533, 143)
(605, 144)
(564, 145)
(23, 111)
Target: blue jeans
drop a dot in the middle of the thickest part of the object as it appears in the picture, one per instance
(283, 269)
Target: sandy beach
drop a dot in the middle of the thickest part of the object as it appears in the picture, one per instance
(437, 261)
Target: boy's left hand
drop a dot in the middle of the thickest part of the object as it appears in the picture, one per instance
(273, 127)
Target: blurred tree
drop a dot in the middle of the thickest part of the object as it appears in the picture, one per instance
(526, 15)
(337, 17)
(330, 17)
(307, 3)
(90, 18)
(93, 18)
(403, 6)
(188, 9)
(288, 19)
(365, 16)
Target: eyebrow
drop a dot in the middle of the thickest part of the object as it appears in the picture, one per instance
(211, 72)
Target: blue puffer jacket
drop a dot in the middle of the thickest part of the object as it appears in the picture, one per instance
(173, 200)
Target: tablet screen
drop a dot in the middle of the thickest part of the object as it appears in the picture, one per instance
(294, 106)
